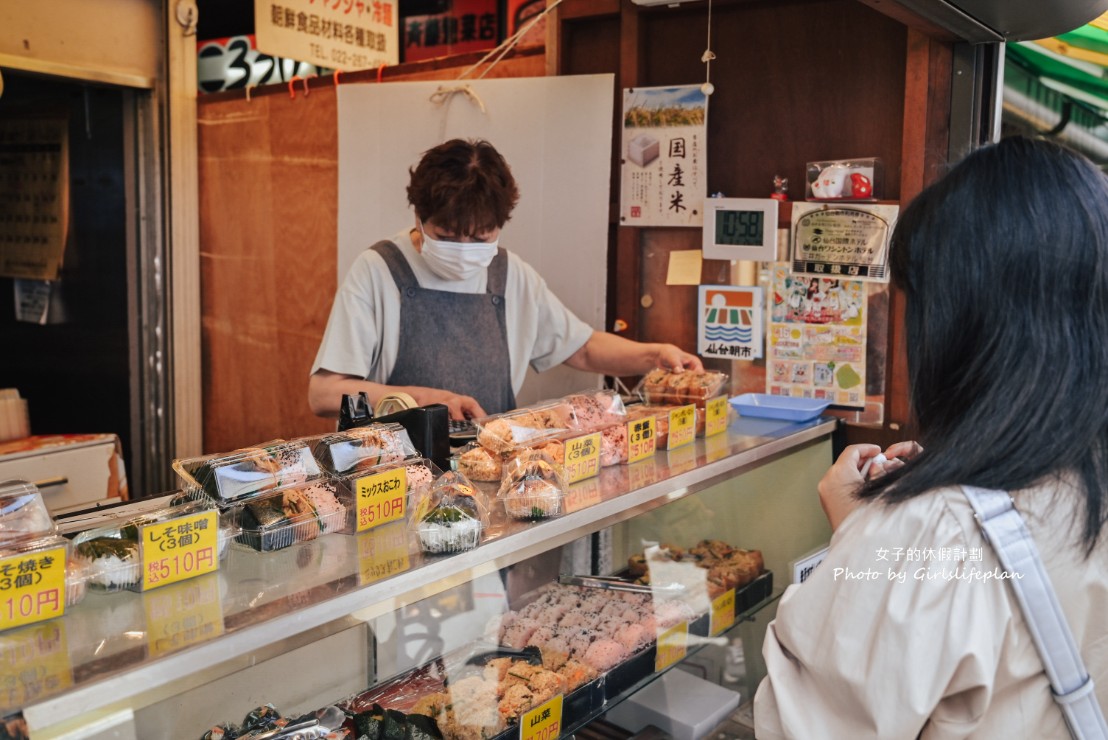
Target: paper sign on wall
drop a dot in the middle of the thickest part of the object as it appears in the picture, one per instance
(34, 196)
(729, 322)
(664, 155)
(347, 35)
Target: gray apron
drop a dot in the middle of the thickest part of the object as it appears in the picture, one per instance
(453, 341)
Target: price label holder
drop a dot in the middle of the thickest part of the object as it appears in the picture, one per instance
(183, 614)
(582, 457)
(682, 426)
(641, 439)
(382, 552)
(544, 722)
(179, 548)
(715, 416)
(32, 587)
(673, 646)
(723, 612)
(382, 498)
(34, 664)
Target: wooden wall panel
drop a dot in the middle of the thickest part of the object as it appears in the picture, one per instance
(268, 234)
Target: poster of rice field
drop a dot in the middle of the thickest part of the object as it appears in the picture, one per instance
(663, 166)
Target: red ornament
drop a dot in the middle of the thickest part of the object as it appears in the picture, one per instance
(860, 186)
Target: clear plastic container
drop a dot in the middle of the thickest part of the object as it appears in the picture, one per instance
(477, 463)
(237, 476)
(450, 515)
(110, 556)
(533, 487)
(680, 388)
(614, 448)
(298, 514)
(595, 410)
(362, 448)
(526, 427)
(23, 513)
(661, 420)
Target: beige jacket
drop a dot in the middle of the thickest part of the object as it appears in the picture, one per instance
(894, 635)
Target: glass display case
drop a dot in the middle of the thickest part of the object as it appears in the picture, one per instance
(331, 619)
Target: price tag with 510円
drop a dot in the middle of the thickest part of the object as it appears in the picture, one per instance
(582, 457)
(715, 416)
(682, 426)
(179, 548)
(382, 498)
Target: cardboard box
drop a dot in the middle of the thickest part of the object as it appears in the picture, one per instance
(72, 471)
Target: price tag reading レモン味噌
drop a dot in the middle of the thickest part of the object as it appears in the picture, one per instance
(673, 645)
(682, 426)
(723, 612)
(32, 587)
(179, 548)
(582, 457)
(715, 416)
(640, 439)
(382, 498)
(544, 722)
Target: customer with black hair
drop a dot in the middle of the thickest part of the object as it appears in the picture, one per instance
(909, 628)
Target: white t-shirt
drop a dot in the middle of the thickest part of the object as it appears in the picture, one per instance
(363, 332)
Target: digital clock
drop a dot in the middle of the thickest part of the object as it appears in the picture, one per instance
(740, 229)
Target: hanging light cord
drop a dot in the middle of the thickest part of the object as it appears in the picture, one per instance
(708, 88)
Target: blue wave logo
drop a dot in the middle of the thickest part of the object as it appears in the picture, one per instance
(719, 333)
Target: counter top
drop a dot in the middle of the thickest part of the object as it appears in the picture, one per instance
(126, 649)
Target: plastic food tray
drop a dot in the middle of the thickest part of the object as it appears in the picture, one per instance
(766, 406)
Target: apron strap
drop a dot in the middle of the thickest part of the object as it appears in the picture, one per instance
(401, 271)
(498, 273)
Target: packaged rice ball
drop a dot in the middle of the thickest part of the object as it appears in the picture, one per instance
(362, 448)
(23, 513)
(450, 515)
(595, 410)
(533, 486)
(526, 427)
(478, 463)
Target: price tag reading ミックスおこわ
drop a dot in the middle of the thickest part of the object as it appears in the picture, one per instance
(382, 498)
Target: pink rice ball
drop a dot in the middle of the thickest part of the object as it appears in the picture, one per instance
(604, 655)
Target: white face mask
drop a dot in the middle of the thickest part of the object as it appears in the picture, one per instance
(457, 260)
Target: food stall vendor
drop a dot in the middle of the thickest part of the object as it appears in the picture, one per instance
(443, 313)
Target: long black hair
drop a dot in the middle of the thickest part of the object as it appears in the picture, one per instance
(1004, 267)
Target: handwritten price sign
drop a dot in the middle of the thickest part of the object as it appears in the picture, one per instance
(544, 722)
(179, 548)
(382, 498)
(682, 426)
(673, 645)
(32, 587)
(641, 439)
(715, 416)
(582, 457)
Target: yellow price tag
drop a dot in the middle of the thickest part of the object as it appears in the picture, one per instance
(682, 426)
(723, 612)
(715, 416)
(179, 548)
(34, 664)
(544, 722)
(32, 587)
(583, 495)
(641, 439)
(183, 614)
(382, 552)
(382, 498)
(673, 646)
(582, 457)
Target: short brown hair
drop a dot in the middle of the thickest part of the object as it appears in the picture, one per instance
(465, 187)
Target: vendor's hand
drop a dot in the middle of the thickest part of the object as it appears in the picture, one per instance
(842, 480)
(461, 407)
(674, 358)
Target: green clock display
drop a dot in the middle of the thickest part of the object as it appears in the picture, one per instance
(740, 228)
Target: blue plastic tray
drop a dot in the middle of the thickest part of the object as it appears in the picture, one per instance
(767, 406)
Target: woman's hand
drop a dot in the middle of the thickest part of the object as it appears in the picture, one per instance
(842, 480)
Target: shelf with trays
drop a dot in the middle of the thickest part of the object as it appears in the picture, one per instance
(262, 606)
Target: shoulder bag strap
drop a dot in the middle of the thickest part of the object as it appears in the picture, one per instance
(1071, 684)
